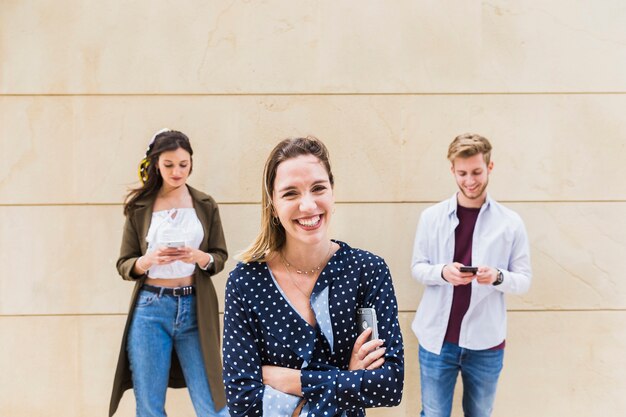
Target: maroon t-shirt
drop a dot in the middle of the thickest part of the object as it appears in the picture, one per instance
(462, 253)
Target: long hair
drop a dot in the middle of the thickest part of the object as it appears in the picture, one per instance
(164, 141)
(272, 235)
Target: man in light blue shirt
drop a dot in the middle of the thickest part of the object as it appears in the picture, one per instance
(461, 320)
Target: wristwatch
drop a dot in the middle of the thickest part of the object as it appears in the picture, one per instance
(499, 278)
(211, 260)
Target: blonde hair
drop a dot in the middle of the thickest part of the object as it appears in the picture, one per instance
(467, 145)
(272, 235)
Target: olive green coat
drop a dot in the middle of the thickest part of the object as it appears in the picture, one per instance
(133, 246)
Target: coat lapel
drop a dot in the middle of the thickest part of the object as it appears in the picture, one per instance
(143, 217)
(201, 206)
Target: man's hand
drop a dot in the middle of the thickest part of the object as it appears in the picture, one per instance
(486, 275)
(455, 277)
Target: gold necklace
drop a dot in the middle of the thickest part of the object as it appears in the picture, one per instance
(293, 280)
(308, 271)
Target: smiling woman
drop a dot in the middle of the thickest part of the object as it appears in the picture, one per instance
(291, 342)
(303, 201)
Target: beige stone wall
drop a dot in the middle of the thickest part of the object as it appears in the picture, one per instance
(84, 84)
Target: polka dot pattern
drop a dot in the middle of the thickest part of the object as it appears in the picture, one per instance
(261, 328)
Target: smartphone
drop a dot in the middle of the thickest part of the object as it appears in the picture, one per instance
(472, 269)
(175, 244)
(366, 318)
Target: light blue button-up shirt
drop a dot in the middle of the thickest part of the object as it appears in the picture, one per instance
(499, 241)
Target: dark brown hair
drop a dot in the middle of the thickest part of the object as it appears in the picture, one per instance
(169, 140)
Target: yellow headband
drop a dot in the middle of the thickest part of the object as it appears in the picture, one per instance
(145, 162)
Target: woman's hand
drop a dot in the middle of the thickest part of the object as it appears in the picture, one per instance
(160, 256)
(285, 380)
(194, 256)
(367, 355)
(163, 255)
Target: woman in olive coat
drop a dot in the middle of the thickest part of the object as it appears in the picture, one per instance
(163, 198)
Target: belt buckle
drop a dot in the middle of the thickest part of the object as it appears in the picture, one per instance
(180, 291)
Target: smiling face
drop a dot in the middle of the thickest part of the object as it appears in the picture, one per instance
(303, 200)
(472, 177)
(175, 167)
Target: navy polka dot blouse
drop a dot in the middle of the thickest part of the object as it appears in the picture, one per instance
(261, 328)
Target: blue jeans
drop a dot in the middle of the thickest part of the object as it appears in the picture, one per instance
(479, 369)
(161, 323)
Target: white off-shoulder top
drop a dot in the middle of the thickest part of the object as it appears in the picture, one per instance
(175, 225)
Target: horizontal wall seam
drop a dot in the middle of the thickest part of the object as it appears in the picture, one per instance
(248, 203)
(274, 94)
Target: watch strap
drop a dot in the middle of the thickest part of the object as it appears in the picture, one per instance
(499, 278)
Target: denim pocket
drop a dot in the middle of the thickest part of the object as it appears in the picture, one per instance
(145, 298)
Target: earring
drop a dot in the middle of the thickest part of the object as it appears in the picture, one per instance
(276, 221)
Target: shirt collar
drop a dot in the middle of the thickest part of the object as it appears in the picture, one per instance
(453, 203)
